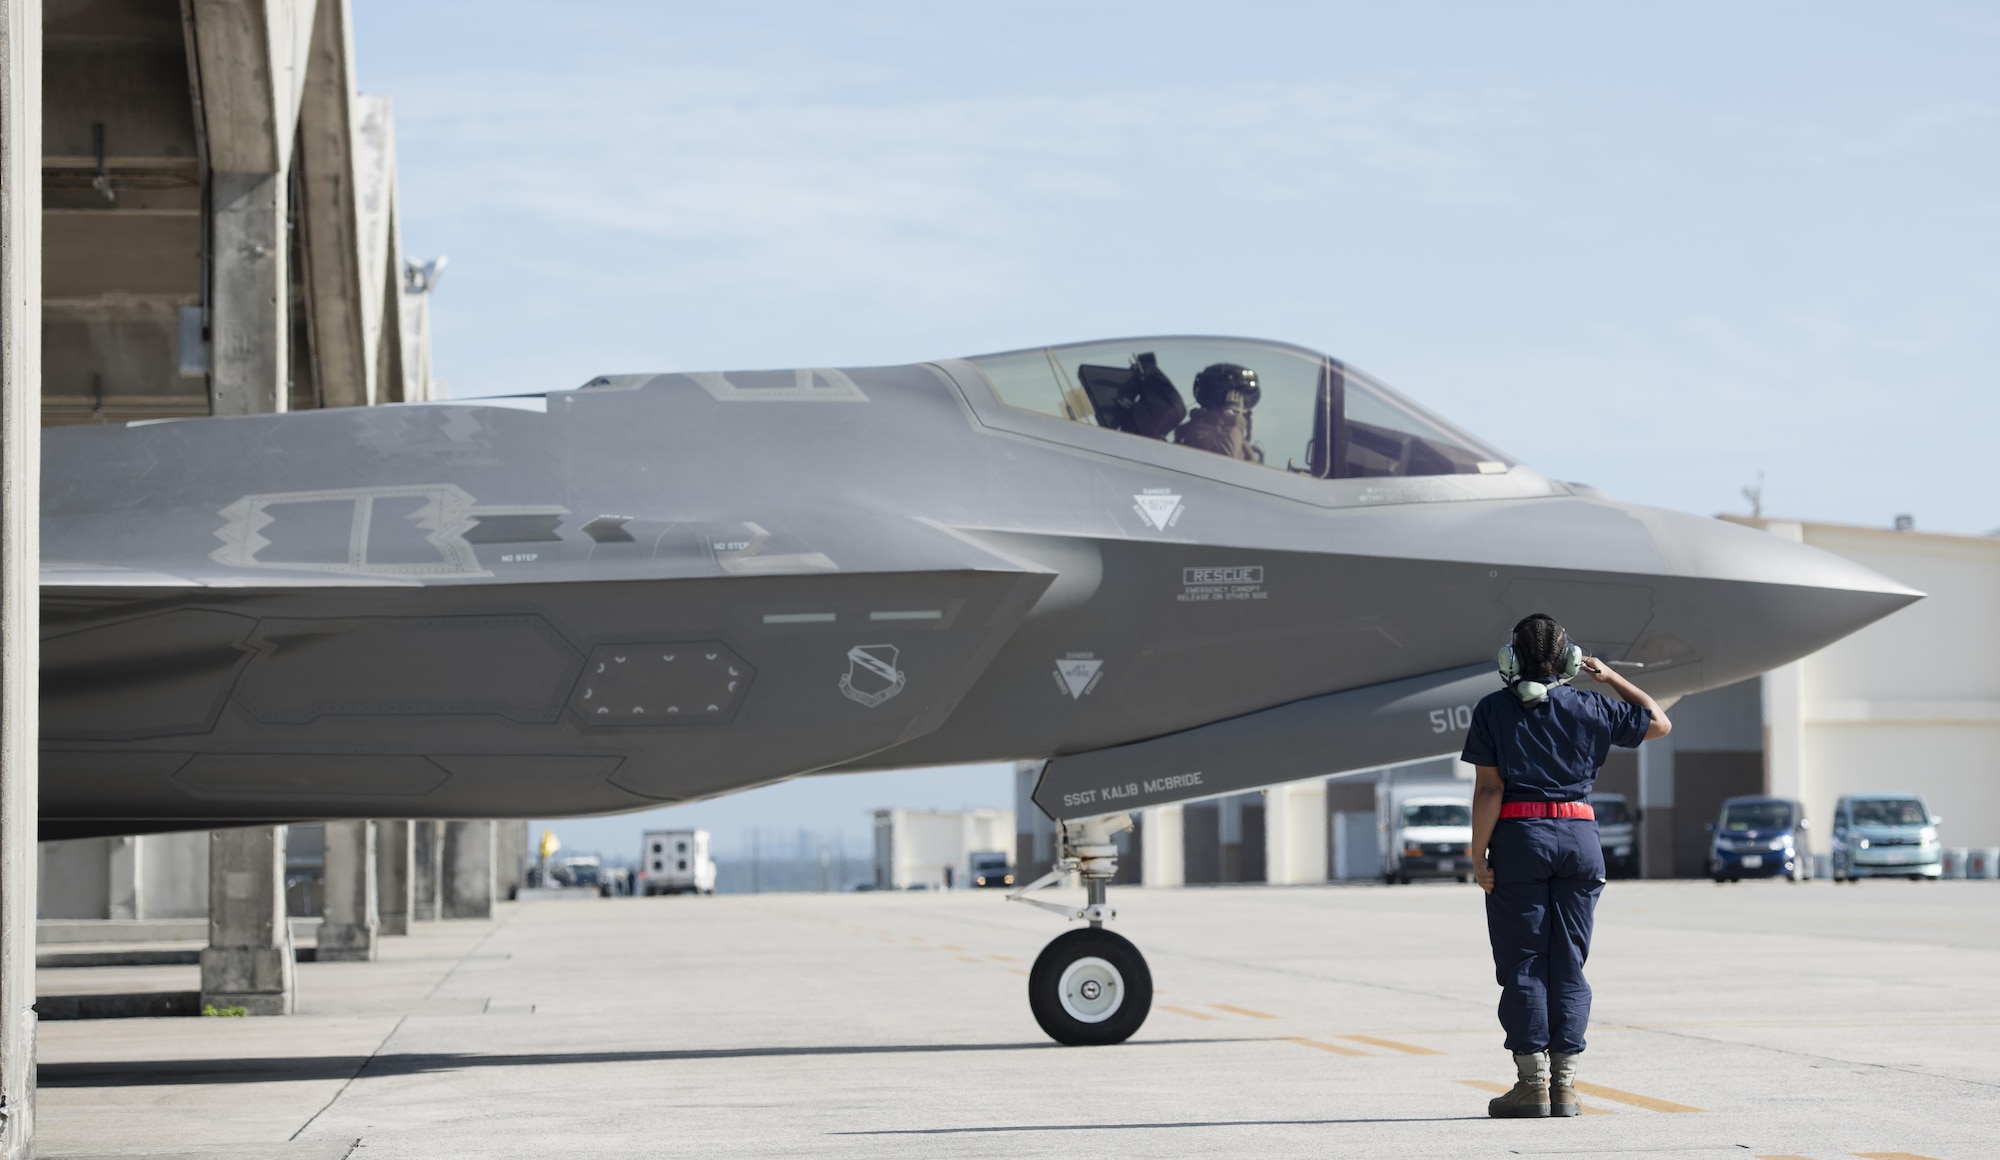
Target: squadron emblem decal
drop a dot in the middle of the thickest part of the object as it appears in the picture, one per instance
(872, 676)
(1160, 508)
(1078, 673)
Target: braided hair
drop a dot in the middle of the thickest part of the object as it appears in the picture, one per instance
(1540, 645)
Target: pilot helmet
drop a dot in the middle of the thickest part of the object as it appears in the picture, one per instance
(1217, 383)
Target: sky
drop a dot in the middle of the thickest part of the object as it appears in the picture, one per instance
(1662, 250)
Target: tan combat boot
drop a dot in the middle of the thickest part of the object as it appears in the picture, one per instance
(1530, 1098)
(1562, 1084)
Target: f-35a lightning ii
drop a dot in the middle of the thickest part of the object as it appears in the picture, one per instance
(658, 588)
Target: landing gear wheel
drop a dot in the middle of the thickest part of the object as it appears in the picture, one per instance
(1090, 988)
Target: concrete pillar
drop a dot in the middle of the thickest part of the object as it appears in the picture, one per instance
(395, 878)
(1295, 832)
(126, 870)
(75, 878)
(1162, 858)
(467, 876)
(427, 870)
(20, 504)
(351, 920)
(173, 875)
(1656, 799)
(252, 359)
(510, 857)
(248, 962)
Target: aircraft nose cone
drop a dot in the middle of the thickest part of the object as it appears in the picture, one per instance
(1745, 600)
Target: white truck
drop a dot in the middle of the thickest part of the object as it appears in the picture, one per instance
(676, 862)
(1425, 829)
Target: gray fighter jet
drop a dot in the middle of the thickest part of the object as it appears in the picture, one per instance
(1174, 567)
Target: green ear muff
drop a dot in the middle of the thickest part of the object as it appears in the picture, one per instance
(1535, 692)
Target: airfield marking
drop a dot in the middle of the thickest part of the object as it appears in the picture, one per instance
(1003, 958)
(1639, 1101)
(1333, 1048)
(1405, 1048)
(970, 959)
(1242, 1011)
(1893, 1156)
(1188, 1013)
(1501, 1089)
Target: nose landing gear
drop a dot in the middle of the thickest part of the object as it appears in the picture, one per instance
(1089, 987)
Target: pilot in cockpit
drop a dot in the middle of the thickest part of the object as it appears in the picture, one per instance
(1224, 393)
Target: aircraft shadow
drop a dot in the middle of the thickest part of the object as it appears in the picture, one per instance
(1160, 1125)
(306, 1069)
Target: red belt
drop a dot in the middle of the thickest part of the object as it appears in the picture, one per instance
(1547, 810)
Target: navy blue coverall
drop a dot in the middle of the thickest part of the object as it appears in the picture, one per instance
(1547, 872)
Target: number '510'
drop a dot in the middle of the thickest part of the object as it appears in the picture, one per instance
(1445, 720)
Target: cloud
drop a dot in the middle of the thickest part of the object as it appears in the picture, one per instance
(791, 190)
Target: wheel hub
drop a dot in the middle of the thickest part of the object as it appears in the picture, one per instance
(1091, 990)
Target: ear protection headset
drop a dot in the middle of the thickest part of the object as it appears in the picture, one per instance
(1569, 664)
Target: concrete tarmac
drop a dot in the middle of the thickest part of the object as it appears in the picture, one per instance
(1756, 1020)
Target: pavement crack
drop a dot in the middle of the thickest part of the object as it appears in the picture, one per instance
(466, 957)
(349, 1082)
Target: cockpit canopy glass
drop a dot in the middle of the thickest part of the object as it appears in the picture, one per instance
(1279, 406)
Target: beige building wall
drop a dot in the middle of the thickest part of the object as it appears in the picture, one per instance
(1909, 703)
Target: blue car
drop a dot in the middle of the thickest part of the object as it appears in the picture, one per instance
(1759, 837)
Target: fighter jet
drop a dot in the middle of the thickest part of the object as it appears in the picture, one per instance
(1171, 567)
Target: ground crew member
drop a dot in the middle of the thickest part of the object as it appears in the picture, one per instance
(1537, 745)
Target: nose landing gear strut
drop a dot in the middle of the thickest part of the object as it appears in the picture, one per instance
(1088, 987)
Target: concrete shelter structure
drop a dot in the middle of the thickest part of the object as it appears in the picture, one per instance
(20, 532)
(220, 210)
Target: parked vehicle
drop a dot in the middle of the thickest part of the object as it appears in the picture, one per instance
(1427, 829)
(676, 862)
(1618, 833)
(1878, 835)
(578, 871)
(989, 869)
(1759, 837)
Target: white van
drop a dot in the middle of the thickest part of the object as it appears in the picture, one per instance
(676, 862)
(1427, 833)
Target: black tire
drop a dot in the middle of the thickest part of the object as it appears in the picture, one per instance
(1116, 961)
(1465, 877)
